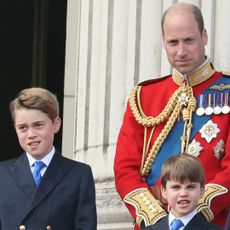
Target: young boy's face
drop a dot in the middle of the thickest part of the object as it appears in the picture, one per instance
(182, 197)
(35, 131)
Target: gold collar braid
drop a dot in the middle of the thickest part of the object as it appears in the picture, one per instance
(182, 99)
(203, 73)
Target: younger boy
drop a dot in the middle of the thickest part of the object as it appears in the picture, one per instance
(60, 195)
(183, 184)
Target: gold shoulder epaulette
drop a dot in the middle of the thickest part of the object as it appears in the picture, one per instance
(211, 191)
(148, 209)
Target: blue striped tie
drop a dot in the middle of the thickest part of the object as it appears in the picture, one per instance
(177, 224)
(38, 166)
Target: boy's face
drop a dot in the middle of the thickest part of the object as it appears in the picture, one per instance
(182, 197)
(35, 131)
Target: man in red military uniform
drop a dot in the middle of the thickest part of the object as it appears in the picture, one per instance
(186, 112)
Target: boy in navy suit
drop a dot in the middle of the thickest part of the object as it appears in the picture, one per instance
(183, 184)
(42, 189)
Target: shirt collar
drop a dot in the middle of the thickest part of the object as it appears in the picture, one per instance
(185, 219)
(46, 159)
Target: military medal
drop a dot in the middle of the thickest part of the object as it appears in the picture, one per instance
(217, 110)
(209, 131)
(219, 149)
(194, 148)
(200, 109)
(209, 110)
(225, 108)
(216, 104)
(183, 99)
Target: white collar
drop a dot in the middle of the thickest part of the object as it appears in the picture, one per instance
(185, 219)
(46, 159)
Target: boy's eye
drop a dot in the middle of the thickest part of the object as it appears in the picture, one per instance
(191, 186)
(39, 125)
(175, 186)
(22, 128)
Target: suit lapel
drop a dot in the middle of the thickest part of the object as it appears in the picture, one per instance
(21, 173)
(162, 224)
(53, 175)
(198, 221)
(165, 223)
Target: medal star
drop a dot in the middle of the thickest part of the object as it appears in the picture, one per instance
(194, 148)
(183, 99)
(209, 131)
(219, 149)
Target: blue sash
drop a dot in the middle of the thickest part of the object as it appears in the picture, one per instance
(172, 143)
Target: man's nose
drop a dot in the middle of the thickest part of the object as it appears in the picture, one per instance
(181, 50)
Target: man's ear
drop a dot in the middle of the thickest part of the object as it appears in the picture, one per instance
(205, 37)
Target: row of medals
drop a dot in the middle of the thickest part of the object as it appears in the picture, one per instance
(213, 103)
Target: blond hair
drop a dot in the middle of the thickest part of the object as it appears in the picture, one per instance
(36, 98)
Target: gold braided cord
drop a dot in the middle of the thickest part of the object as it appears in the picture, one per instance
(146, 145)
(183, 138)
(191, 108)
(149, 121)
(171, 111)
(139, 103)
(160, 139)
(149, 141)
(144, 152)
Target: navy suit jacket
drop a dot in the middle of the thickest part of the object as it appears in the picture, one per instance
(198, 222)
(65, 198)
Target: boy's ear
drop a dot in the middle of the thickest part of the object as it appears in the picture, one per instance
(202, 190)
(57, 124)
(163, 192)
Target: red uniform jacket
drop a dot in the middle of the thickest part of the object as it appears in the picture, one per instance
(154, 97)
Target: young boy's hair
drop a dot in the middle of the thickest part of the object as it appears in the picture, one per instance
(181, 168)
(36, 98)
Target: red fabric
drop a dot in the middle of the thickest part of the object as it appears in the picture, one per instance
(154, 97)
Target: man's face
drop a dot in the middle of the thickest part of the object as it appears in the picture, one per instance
(183, 42)
(35, 131)
(182, 197)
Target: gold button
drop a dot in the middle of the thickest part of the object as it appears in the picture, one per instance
(22, 227)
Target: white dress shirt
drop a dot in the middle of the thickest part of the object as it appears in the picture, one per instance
(45, 160)
(185, 219)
